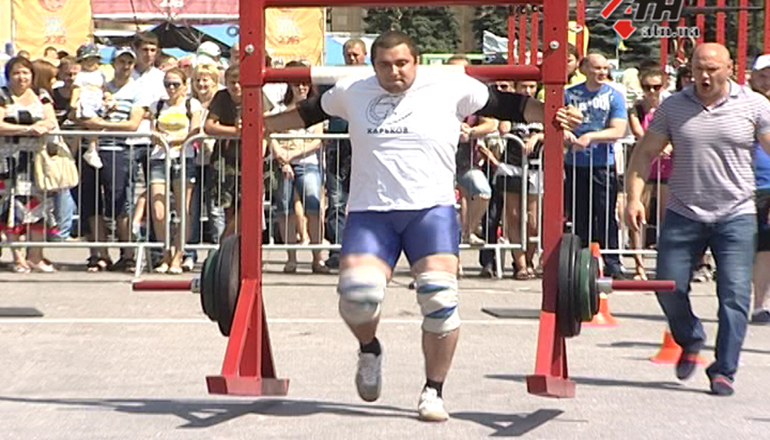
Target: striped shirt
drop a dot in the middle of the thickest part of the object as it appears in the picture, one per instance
(713, 177)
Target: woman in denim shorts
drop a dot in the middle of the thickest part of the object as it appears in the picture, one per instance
(300, 162)
(174, 120)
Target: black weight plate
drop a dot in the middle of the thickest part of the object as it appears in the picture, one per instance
(593, 289)
(574, 294)
(228, 282)
(563, 311)
(208, 284)
(586, 310)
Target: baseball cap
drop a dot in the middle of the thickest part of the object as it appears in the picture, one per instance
(125, 50)
(762, 61)
(88, 51)
(209, 49)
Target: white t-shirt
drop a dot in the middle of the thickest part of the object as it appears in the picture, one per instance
(403, 146)
(174, 120)
(90, 79)
(151, 90)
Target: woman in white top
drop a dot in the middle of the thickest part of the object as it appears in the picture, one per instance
(300, 164)
(174, 120)
(24, 209)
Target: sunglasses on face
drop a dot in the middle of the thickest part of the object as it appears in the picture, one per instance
(170, 84)
(651, 88)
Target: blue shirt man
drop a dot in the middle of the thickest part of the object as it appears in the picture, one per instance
(599, 107)
(591, 193)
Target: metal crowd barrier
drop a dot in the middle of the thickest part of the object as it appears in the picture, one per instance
(75, 144)
(205, 205)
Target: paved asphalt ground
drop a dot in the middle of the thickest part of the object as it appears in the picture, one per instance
(105, 363)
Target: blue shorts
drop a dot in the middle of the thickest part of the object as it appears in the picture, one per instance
(418, 233)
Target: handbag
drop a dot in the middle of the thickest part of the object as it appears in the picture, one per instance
(55, 167)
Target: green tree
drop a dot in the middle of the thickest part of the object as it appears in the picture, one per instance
(434, 29)
(489, 18)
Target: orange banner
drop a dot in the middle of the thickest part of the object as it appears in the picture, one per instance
(64, 24)
(295, 34)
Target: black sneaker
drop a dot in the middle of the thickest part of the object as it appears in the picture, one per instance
(333, 262)
(685, 366)
(722, 386)
(761, 317)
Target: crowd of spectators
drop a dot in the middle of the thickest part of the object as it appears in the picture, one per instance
(124, 180)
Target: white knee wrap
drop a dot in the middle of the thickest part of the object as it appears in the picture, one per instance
(361, 291)
(437, 296)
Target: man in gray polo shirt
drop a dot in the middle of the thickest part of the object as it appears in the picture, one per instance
(712, 126)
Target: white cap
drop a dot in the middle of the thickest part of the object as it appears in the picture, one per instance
(209, 49)
(761, 62)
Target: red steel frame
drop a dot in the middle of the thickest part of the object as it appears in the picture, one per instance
(248, 367)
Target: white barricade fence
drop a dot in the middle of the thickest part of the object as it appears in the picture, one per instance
(114, 183)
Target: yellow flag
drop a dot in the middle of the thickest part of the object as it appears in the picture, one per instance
(295, 34)
(64, 24)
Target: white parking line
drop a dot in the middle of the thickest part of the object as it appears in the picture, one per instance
(4, 321)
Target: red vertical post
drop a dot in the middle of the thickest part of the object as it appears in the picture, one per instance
(550, 376)
(522, 40)
(742, 50)
(511, 33)
(721, 22)
(534, 36)
(580, 17)
(248, 365)
(700, 22)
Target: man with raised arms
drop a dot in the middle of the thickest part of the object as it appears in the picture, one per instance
(404, 124)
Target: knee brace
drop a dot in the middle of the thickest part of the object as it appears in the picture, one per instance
(437, 296)
(361, 291)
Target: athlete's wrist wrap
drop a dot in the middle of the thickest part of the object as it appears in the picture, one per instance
(310, 111)
(438, 299)
(361, 291)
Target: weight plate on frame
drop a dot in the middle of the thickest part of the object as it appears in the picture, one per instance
(208, 284)
(563, 310)
(593, 288)
(575, 293)
(586, 310)
(228, 282)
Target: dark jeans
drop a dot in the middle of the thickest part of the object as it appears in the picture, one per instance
(334, 222)
(490, 223)
(680, 248)
(596, 208)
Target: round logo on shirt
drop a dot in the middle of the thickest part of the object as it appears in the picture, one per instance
(385, 108)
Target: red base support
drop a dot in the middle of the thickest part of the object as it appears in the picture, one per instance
(551, 373)
(248, 368)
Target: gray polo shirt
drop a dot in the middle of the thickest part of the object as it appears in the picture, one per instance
(713, 177)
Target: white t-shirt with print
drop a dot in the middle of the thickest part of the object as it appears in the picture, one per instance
(174, 121)
(151, 90)
(403, 146)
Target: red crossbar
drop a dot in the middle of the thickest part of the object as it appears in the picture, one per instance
(644, 285)
(161, 285)
(385, 3)
(483, 73)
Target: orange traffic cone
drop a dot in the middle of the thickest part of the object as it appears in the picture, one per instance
(670, 351)
(604, 318)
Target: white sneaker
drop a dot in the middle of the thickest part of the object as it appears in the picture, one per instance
(369, 376)
(431, 407)
(188, 264)
(91, 156)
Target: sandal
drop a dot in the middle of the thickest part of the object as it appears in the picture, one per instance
(640, 275)
(290, 267)
(521, 275)
(96, 263)
(21, 268)
(43, 266)
(163, 268)
(321, 268)
(175, 270)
